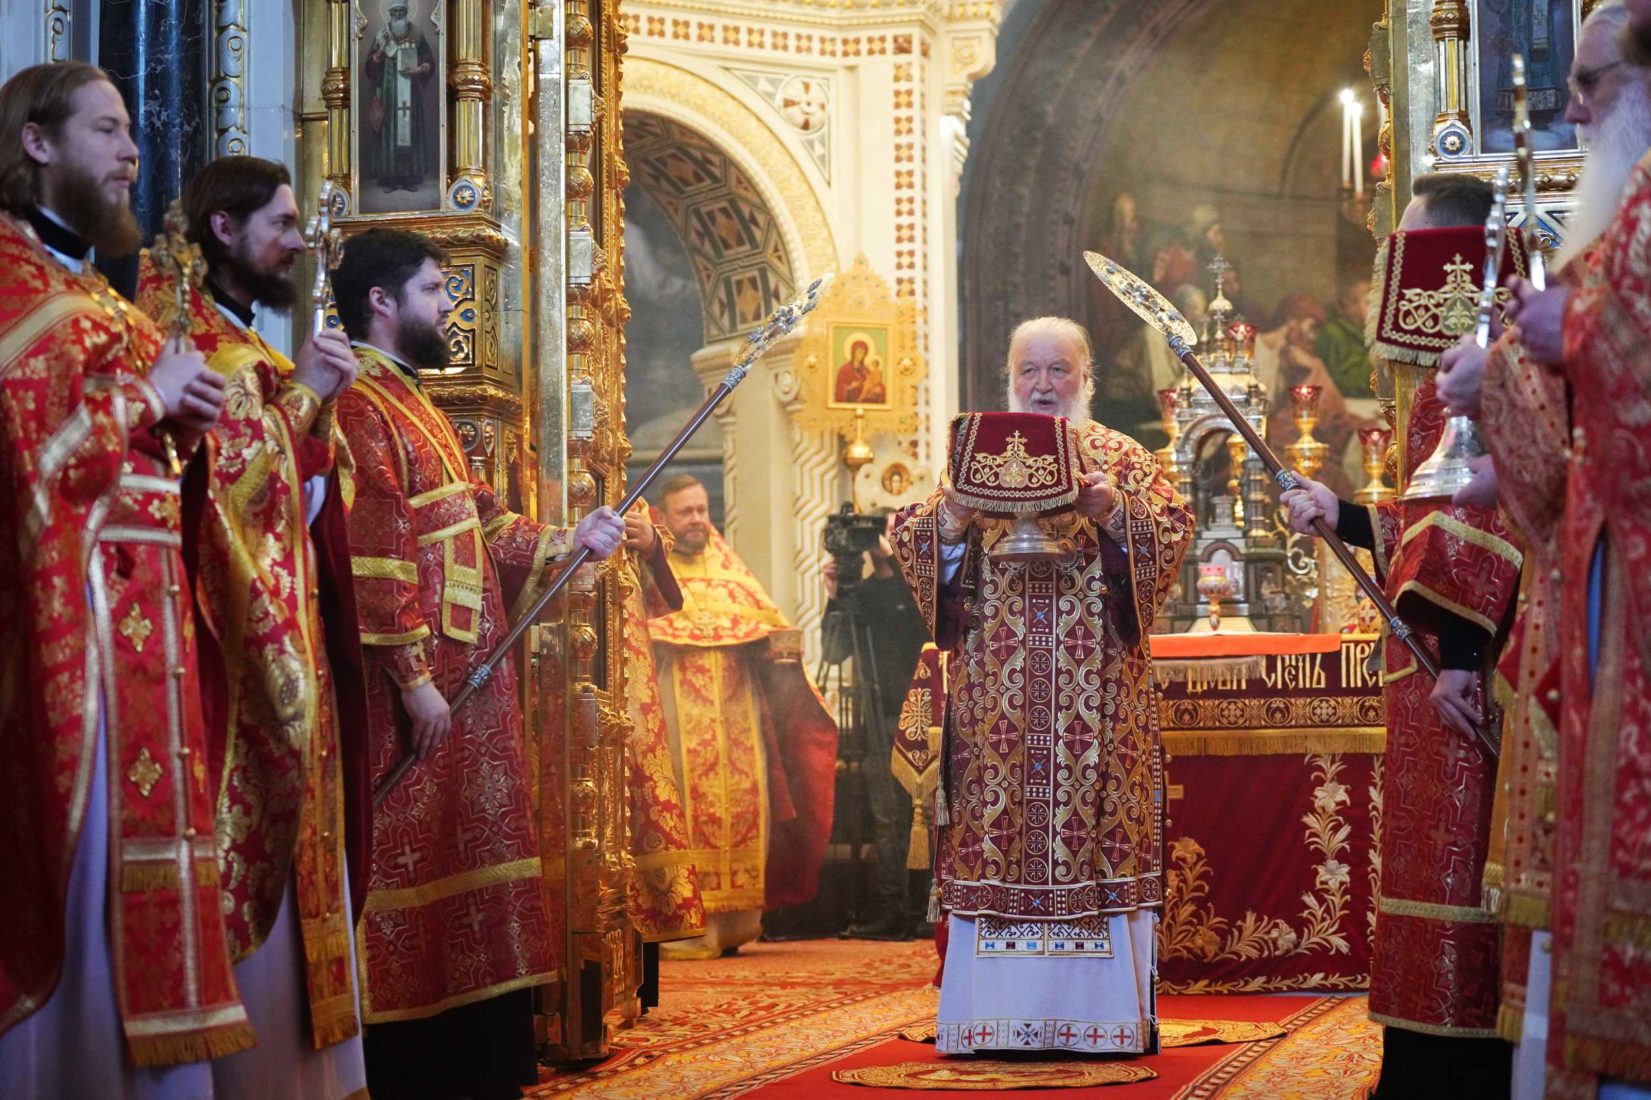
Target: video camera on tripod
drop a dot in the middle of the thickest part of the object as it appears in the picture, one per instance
(848, 537)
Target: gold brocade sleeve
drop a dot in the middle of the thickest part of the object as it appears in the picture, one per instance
(384, 547)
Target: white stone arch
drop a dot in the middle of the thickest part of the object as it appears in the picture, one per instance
(780, 482)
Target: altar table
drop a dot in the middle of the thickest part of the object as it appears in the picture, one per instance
(1273, 769)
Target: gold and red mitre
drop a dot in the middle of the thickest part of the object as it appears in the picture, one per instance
(1426, 287)
(1012, 463)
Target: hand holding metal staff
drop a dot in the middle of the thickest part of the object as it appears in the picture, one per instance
(782, 321)
(1156, 310)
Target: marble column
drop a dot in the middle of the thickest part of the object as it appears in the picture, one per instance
(156, 53)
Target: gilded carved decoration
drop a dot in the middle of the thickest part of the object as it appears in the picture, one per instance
(530, 218)
(59, 29)
(598, 857)
(1462, 137)
(228, 75)
(860, 367)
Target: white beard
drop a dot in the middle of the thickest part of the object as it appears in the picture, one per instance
(1076, 411)
(1614, 146)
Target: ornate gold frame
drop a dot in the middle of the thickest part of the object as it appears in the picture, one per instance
(859, 300)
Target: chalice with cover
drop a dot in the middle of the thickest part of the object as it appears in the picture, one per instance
(1017, 466)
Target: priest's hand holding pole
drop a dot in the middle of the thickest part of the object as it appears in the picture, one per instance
(640, 535)
(601, 532)
(1461, 377)
(1540, 317)
(191, 393)
(431, 718)
(953, 517)
(1312, 500)
(1456, 697)
(325, 364)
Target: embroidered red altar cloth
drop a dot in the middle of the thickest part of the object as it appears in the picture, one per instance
(1274, 768)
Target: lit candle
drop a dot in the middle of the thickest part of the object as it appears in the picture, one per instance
(1346, 98)
(1358, 148)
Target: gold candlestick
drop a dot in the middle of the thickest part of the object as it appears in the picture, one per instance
(857, 454)
(1375, 442)
(1235, 480)
(1306, 453)
(1169, 402)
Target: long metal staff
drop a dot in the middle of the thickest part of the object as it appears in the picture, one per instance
(1156, 310)
(1525, 155)
(782, 321)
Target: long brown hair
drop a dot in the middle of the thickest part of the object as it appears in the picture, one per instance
(43, 95)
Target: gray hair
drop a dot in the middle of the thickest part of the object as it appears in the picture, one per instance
(1063, 328)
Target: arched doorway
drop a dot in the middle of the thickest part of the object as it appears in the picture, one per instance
(705, 262)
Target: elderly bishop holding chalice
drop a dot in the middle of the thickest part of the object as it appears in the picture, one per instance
(1041, 565)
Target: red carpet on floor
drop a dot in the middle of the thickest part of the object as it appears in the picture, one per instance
(1176, 1068)
(779, 1019)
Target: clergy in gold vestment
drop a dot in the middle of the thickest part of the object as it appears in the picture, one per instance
(115, 976)
(455, 932)
(664, 901)
(1050, 796)
(271, 564)
(754, 748)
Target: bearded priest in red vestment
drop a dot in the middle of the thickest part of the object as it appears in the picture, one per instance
(1524, 413)
(1050, 795)
(115, 976)
(273, 591)
(454, 930)
(1453, 572)
(1596, 336)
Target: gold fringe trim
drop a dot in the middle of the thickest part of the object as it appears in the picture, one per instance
(391, 1016)
(1608, 1059)
(1510, 1023)
(1436, 911)
(934, 913)
(1015, 507)
(1628, 929)
(1365, 739)
(332, 1032)
(177, 1050)
(1525, 910)
(327, 946)
(149, 877)
(145, 878)
(1401, 354)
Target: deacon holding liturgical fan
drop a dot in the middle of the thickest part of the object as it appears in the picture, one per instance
(1048, 801)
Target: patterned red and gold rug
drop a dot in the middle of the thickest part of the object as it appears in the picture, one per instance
(793, 1019)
